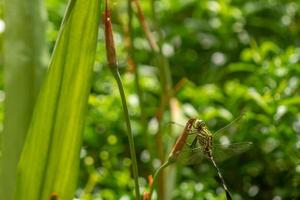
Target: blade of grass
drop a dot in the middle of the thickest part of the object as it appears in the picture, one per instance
(50, 158)
(25, 58)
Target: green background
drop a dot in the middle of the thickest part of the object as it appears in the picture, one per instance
(231, 57)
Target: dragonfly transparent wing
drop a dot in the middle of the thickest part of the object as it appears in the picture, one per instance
(220, 152)
(234, 121)
(230, 129)
(190, 155)
(227, 128)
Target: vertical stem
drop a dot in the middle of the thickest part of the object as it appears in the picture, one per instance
(113, 66)
(131, 50)
(129, 134)
(151, 40)
(25, 57)
(159, 144)
(166, 85)
(157, 172)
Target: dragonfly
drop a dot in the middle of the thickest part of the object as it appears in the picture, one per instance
(205, 144)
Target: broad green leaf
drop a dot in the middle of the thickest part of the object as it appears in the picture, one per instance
(25, 60)
(291, 101)
(259, 100)
(50, 158)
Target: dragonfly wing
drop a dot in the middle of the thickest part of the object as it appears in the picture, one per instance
(222, 152)
(231, 127)
(190, 156)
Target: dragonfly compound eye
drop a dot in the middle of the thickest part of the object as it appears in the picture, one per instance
(199, 124)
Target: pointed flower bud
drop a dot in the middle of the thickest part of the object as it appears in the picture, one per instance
(109, 39)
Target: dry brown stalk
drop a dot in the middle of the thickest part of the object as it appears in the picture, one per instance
(145, 27)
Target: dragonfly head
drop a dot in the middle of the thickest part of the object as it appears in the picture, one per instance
(199, 124)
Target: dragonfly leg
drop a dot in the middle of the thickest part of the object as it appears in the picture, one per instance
(192, 133)
(193, 143)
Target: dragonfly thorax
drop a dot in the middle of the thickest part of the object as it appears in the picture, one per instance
(204, 136)
(205, 139)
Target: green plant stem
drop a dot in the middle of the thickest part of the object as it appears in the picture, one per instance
(166, 84)
(116, 75)
(157, 172)
(131, 51)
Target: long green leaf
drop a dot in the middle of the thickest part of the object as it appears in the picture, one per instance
(50, 158)
(25, 61)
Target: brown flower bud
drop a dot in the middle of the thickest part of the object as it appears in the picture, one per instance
(109, 39)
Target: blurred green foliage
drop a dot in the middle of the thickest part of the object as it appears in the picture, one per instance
(238, 56)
